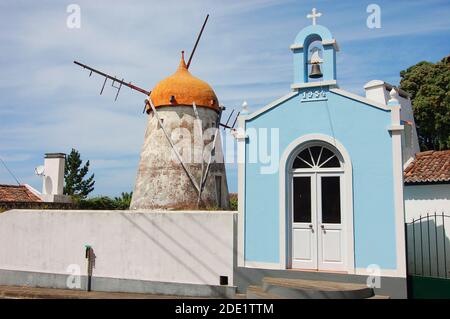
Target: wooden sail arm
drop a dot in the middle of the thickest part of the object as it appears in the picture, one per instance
(113, 78)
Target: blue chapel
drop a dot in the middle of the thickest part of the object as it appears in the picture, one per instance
(329, 202)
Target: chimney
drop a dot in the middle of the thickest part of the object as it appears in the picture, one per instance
(377, 92)
(53, 181)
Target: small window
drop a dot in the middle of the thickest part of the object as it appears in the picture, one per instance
(159, 124)
(223, 280)
(332, 162)
(302, 199)
(303, 160)
(331, 200)
(316, 152)
(316, 157)
(326, 154)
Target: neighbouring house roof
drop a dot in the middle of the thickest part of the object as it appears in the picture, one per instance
(429, 167)
(17, 193)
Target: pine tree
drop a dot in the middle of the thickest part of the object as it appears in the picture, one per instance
(74, 175)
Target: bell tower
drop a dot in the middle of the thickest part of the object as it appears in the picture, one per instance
(314, 51)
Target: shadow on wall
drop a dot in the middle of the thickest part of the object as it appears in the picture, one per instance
(168, 239)
(427, 192)
(428, 246)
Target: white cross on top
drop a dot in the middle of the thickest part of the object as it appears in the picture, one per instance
(314, 15)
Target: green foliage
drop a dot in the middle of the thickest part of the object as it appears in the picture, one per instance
(429, 86)
(76, 183)
(97, 203)
(233, 201)
(106, 203)
(124, 201)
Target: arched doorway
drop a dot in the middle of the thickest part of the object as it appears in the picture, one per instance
(317, 210)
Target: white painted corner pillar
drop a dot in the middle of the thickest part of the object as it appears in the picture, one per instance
(396, 130)
(241, 137)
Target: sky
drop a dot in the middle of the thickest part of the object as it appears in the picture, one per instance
(48, 104)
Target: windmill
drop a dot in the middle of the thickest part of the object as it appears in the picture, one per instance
(181, 101)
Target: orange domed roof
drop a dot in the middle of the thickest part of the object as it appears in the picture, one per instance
(182, 88)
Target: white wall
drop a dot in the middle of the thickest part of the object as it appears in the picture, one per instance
(423, 199)
(184, 247)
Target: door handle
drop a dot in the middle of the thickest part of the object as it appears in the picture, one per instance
(311, 227)
(323, 228)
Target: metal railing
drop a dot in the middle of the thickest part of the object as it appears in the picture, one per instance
(428, 247)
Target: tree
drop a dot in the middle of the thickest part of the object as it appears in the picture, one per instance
(124, 201)
(429, 86)
(74, 175)
(105, 202)
(97, 203)
(233, 197)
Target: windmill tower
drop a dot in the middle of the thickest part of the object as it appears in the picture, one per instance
(181, 161)
(181, 164)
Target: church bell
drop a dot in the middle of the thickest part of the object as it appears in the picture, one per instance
(315, 73)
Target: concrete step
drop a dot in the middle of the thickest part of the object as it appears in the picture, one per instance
(255, 292)
(314, 289)
(379, 297)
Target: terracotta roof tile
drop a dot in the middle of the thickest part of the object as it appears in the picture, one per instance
(429, 167)
(15, 193)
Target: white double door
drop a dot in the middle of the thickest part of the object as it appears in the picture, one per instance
(318, 229)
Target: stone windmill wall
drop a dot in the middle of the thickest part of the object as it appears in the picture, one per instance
(162, 180)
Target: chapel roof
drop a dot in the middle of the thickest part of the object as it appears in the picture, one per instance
(182, 88)
(17, 193)
(429, 167)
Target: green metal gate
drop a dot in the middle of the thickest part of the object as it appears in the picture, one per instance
(428, 252)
